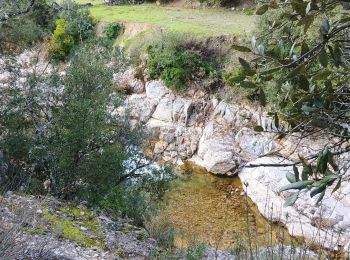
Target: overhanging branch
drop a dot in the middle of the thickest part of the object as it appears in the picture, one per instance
(20, 12)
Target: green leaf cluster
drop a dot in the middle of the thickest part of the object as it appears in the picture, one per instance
(179, 62)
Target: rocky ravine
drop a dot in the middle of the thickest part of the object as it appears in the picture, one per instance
(220, 137)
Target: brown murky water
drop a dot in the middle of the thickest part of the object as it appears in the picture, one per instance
(210, 209)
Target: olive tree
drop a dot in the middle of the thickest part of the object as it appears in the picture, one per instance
(299, 69)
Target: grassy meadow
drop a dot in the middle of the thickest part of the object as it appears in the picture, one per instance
(205, 22)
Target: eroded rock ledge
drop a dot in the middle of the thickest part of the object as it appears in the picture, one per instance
(220, 136)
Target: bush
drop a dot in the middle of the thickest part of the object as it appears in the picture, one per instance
(61, 42)
(130, 202)
(180, 61)
(141, 201)
(74, 26)
(225, 3)
(113, 30)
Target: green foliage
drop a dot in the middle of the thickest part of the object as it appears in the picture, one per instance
(179, 61)
(301, 74)
(130, 202)
(22, 31)
(196, 251)
(141, 201)
(316, 179)
(222, 3)
(64, 140)
(61, 42)
(163, 230)
(81, 144)
(73, 27)
(80, 24)
(113, 30)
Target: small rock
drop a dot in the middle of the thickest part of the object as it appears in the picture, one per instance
(83, 228)
(138, 87)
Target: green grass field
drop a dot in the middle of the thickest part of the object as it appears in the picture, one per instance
(207, 22)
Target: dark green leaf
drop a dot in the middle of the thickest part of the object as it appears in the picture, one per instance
(290, 177)
(307, 171)
(317, 190)
(337, 186)
(320, 197)
(322, 75)
(344, 20)
(323, 58)
(297, 185)
(258, 128)
(240, 48)
(266, 72)
(308, 20)
(304, 82)
(247, 84)
(244, 63)
(322, 164)
(337, 55)
(296, 71)
(262, 9)
(276, 120)
(304, 48)
(325, 27)
(299, 7)
(262, 97)
(291, 200)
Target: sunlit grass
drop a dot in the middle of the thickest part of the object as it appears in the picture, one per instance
(197, 21)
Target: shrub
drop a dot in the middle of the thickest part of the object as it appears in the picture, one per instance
(113, 30)
(180, 61)
(74, 26)
(140, 202)
(130, 202)
(61, 41)
(79, 21)
(225, 3)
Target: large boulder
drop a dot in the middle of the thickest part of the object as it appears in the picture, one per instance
(216, 150)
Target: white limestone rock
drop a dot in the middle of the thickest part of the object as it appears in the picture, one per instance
(216, 150)
(141, 107)
(316, 224)
(156, 90)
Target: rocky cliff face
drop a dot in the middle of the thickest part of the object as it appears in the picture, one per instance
(220, 136)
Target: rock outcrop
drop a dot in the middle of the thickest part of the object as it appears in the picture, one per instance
(220, 136)
(45, 228)
(327, 224)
